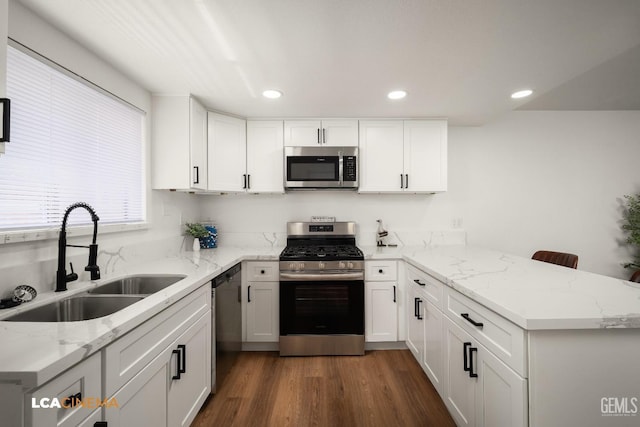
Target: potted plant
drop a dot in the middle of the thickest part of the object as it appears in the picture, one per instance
(632, 226)
(199, 233)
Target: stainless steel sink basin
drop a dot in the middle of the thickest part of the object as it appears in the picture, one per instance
(82, 307)
(137, 285)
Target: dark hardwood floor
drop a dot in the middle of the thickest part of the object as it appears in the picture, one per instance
(382, 388)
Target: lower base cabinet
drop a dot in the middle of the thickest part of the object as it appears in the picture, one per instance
(480, 389)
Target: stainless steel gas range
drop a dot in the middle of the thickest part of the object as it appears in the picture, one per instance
(321, 290)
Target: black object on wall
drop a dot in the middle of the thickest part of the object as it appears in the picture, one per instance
(6, 119)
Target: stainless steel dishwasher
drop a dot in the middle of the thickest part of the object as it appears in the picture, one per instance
(227, 333)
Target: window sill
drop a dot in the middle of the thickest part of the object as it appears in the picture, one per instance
(21, 236)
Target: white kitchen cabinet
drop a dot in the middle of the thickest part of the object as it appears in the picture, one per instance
(330, 132)
(265, 156)
(433, 353)
(480, 389)
(160, 373)
(415, 322)
(261, 302)
(80, 383)
(403, 156)
(190, 373)
(227, 153)
(178, 143)
(381, 301)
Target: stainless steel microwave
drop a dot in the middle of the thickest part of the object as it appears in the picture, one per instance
(320, 168)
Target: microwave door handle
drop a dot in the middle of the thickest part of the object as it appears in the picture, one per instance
(340, 167)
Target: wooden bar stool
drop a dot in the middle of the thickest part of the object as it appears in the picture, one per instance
(558, 258)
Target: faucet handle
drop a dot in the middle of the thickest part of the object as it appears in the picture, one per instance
(72, 276)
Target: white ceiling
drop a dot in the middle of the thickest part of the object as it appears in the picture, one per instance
(338, 58)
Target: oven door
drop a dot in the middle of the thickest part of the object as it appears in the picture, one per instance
(322, 307)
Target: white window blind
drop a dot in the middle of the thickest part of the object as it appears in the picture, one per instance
(69, 142)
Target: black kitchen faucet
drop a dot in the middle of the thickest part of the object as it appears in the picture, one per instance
(61, 275)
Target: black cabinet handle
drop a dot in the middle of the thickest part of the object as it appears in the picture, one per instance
(183, 350)
(406, 180)
(100, 424)
(394, 293)
(6, 119)
(415, 307)
(73, 400)
(380, 271)
(249, 294)
(197, 171)
(419, 302)
(471, 373)
(324, 136)
(178, 353)
(244, 181)
(261, 271)
(419, 282)
(465, 360)
(248, 181)
(466, 317)
(401, 181)
(318, 135)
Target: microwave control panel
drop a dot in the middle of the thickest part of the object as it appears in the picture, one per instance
(350, 168)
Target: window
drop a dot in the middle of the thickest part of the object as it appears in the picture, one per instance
(70, 142)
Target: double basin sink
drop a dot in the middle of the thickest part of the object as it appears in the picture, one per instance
(98, 302)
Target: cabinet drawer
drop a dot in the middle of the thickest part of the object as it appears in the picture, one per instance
(83, 378)
(135, 350)
(263, 271)
(376, 271)
(432, 288)
(503, 338)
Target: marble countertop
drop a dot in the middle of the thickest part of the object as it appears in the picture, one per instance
(531, 294)
(534, 295)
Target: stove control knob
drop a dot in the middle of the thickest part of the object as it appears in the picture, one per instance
(350, 265)
(292, 266)
(301, 266)
(321, 265)
(341, 264)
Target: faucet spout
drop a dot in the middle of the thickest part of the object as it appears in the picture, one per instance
(61, 275)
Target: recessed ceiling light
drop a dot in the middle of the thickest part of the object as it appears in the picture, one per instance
(521, 94)
(397, 94)
(272, 94)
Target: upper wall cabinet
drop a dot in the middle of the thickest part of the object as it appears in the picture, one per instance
(179, 143)
(312, 133)
(227, 153)
(265, 156)
(403, 156)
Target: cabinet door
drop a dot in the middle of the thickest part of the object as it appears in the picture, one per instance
(339, 133)
(415, 323)
(265, 156)
(381, 156)
(143, 400)
(502, 395)
(263, 316)
(227, 153)
(198, 144)
(302, 133)
(459, 388)
(433, 356)
(381, 311)
(425, 155)
(188, 392)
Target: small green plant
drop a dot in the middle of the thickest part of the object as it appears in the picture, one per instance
(197, 230)
(632, 226)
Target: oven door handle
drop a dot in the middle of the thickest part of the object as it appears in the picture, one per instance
(303, 277)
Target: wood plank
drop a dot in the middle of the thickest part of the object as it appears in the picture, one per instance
(381, 388)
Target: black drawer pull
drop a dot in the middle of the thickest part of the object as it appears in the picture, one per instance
(380, 271)
(466, 317)
(249, 293)
(419, 282)
(419, 316)
(73, 400)
(183, 349)
(261, 271)
(394, 293)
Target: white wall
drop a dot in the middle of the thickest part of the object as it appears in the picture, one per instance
(34, 262)
(551, 180)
